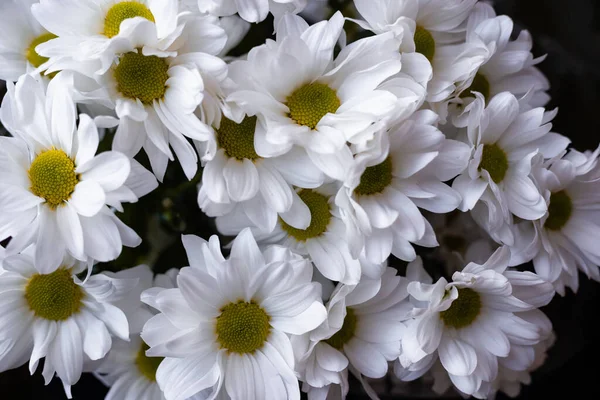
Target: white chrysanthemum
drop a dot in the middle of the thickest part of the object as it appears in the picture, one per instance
(492, 63)
(313, 227)
(563, 240)
(156, 94)
(426, 29)
(234, 175)
(126, 369)
(58, 317)
(361, 334)
(474, 322)
(383, 191)
(86, 30)
(306, 98)
(512, 370)
(503, 141)
(20, 34)
(54, 190)
(225, 328)
(251, 10)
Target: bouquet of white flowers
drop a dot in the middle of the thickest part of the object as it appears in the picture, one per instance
(388, 193)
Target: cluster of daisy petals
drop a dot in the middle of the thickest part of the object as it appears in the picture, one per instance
(323, 156)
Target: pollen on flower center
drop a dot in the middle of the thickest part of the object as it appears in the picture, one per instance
(52, 176)
(320, 213)
(122, 11)
(464, 310)
(147, 366)
(480, 84)
(238, 139)
(54, 296)
(494, 161)
(242, 327)
(311, 102)
(559, 211)
(424, 43)
(343, 336)
(375, 179)
(141, 77)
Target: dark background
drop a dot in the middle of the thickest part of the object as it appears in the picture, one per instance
(569, 32)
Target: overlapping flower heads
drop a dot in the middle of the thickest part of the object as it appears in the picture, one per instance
(329, 156)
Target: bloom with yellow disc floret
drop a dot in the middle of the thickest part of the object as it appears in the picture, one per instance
(225, 328)
(305, 97)
(58, 317)
(55, 191)
(472, 322)
(157, 93)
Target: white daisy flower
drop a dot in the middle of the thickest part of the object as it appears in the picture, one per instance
(251, 10)
(496, 64)
(155, 94)
(85, 30)
(20, 33)
(235, 174)
(562, 241)
(312, 227)
(54, 191)
(361, 334)
(473, 322)
(425, 29)
(305, 98)
(514, 369)
(58, 317)
(503, 141)
(126, 368)
(225, 328)
(383, 191)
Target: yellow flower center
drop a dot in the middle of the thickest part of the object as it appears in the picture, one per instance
(238, 139)
(242, 327)
(480, 84)
(343, 336)
(33, 57)
(375, 179)
(320, 213)
(54, 296)
(52, 176)
(122, 11)
(464, 310)
(147, 365)
(141, 77)
(311, 102)
(559, 211)
(494, 161)
(424, 43)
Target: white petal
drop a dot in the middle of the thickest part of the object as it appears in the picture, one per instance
(365, 357)
(241, 178)
(87, 140)
(109, 169)
(71, 230)
(88, 198)
(457, 357)
(66, 353)
(298, 215)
